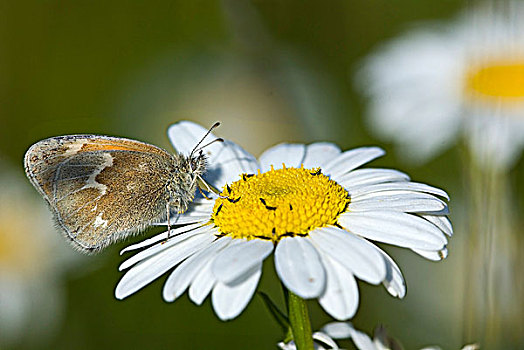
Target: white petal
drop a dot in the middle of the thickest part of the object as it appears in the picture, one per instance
(186, 272)
(184, 220)
(160, 237)
(289, 346)
(442, 222)
(287, 153)
(240, 257)
(152, 268)
(420, 135)
(432, 254)
(299, 267)
(185, 135)
(324, 338)
(338, 330)
(319, 153)
(370, 176)
(394, 281)
(230, 300)
(350, 160)
(362, 340)
(195, 213)
(202, 284)
(354, 253)
(410, 202)
(202, 208)
(174, 240)
(340, 298)
(198, 210)
(226, 160)
(395, 228)
(398, 186)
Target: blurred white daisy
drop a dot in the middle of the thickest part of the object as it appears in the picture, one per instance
(33, 259)
(311, 206)
(440, 81)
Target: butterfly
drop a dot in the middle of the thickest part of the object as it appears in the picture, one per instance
(102, 189)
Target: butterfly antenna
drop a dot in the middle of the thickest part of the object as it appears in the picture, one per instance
(218, 139)
(202, 139)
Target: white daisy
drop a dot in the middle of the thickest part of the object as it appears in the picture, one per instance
(345, 330)
(381, 340)
(311, 206)
(322, 341)
(439, 81)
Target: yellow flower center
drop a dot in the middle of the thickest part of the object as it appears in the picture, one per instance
(279, 203)
(503, 79)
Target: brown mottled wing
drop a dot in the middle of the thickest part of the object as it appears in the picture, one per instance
(100, 188)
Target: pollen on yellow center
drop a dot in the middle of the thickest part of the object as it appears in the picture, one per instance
(279, 203)
(496, 79)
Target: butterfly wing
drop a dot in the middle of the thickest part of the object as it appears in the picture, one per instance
(100, 188)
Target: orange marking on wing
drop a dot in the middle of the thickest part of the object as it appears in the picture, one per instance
(105, 147)
(104, 144)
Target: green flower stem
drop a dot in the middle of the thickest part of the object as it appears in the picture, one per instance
(299, 320)
(492, 247)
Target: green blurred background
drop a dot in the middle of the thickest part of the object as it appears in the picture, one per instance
(271, 71)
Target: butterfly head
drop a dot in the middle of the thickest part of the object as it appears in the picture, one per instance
(188, 175)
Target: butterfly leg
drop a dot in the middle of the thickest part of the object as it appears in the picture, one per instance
(203, 194)
(168, 212)
(203, 185)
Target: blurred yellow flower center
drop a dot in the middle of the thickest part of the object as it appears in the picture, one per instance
(19, 253)
(279, 203)
(497, 79)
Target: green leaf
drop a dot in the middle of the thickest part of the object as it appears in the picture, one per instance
(278, 315)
